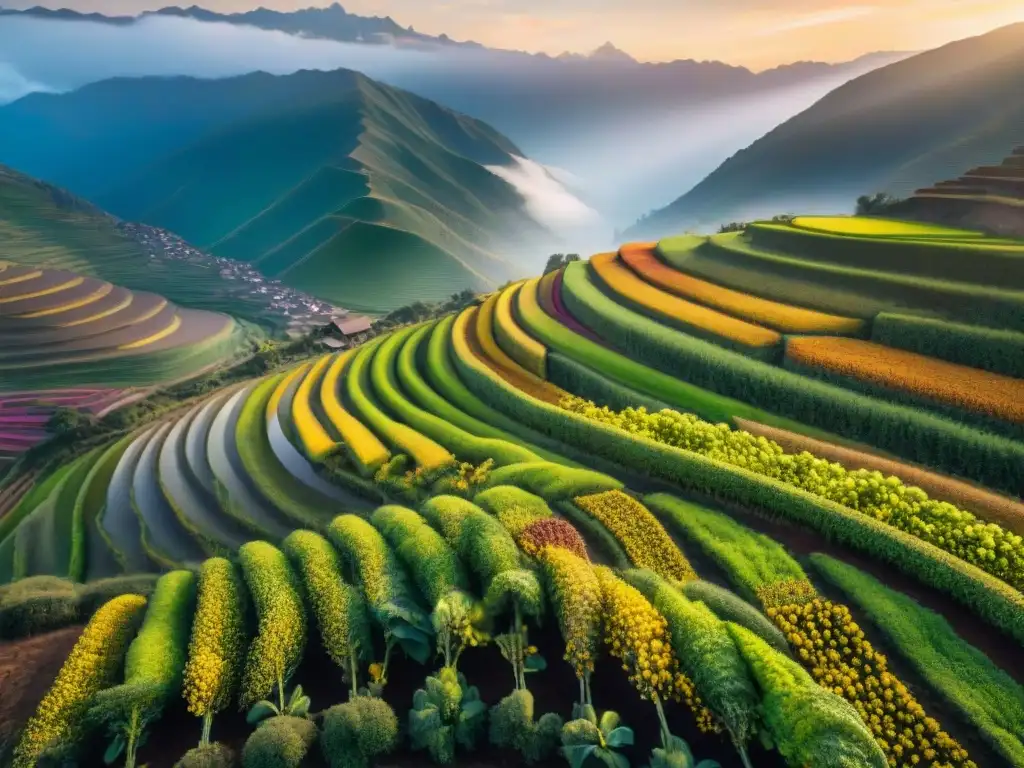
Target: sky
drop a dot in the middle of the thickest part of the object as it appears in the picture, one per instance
(755, 33)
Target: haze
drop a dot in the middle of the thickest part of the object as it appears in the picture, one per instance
(755, 33)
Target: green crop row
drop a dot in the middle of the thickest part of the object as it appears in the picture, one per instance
(426, 453)
(464, 445)
(989, 698)
(912, 434)
(989, 597)
(575, 377)
(88, 543)
(970, 261)
(991, 349)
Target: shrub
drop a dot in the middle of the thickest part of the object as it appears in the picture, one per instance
(513, 727)
(552, 532)
(759, 565)
(553, 482)
(637, 635)
(731, 608)
(385, 583)
(840, 659)
(153, 665)
(810, 725)
(356, 732)
(208, 756)
(447, 712)
(276, 651)
(339, 608)
(587, 739)
(280, 742)
(216, 652)
(707, 655)
(39, 604)
(641, 535)
(575, 594)
(989, 698)
(434, 565)
(92, 665)
(514, 507)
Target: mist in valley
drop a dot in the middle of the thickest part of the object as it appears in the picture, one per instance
(613, 153)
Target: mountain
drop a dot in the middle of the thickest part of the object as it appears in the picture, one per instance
(46, 227)
(898, 128)
(353, 191)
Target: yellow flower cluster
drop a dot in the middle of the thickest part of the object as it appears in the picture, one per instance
(990, 547)
(575, 594)
(92, 665)
(637, 635)
(281, 638)
(217, 648)
(646, 542)
(832, 647)
(787, 592)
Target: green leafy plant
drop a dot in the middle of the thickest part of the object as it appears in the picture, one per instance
(513, 727)
(297, 705)
(676, 753)
(446, 713)
(588, 740)
(280, 742)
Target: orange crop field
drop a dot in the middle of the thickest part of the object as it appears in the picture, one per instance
(708, 322)
(968, 388)
(641, 258)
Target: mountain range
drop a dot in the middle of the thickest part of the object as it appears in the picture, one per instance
(898, 128)
(350, 190)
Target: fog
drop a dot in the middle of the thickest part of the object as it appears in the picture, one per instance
(626, 153)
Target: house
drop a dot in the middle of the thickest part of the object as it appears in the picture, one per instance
(349, 331)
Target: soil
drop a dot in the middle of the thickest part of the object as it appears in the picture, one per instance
(27, 669)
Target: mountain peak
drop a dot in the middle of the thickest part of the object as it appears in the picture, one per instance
(609, 52)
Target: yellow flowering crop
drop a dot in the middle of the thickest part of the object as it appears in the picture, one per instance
(645, 540)
(217, 649)
(92, 665)
(339, 608)
(281, 638)
(519, 345)
(314, 438)
(575, 594)
(832, 647)
(637, 635)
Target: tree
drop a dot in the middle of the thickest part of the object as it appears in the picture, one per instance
(65, 421)
(732, 226)
(878, 203)
(554, 262)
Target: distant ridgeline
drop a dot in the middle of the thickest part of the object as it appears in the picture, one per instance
(358, 193)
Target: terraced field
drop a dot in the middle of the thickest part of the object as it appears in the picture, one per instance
(673, 455)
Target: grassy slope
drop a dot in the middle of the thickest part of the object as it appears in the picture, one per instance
(967, 111)
(278, 178)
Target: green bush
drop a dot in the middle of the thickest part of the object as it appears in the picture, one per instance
(280, 742)
(810, 725)
(990, 598)
(41, 604)
(513, 727)
(731, 608)
(357, 732)
(911, 434)
(988, 698)
(514, 507)
(707, 655)
(553, 482)
(340, 609)
(992, 349)
(465, 445)
(280, 640)
(213, 755)
(154, 664)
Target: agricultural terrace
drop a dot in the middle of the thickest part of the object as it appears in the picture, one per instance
(56, 326)
(768, 523)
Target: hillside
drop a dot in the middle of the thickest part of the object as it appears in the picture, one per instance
(498, 455)
(304, 175)
(896, 129)
(46, 226)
